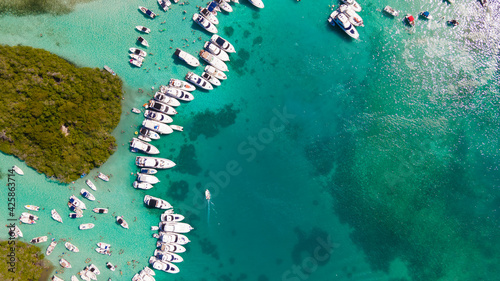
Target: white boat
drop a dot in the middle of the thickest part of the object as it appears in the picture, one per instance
(103, 245)
(171, 217)
(343, 22)
(147, 178)
(187, 57)
(177, 227)
(168, 256)
(87, 275)
(257, 3)
(203, 22)
(135, 62)
(18, 170)
(143, 29)
(236, 1)
(93, 268)
(207, 194)
(51, 247)
(177, 128)
(162, 107)
(85, 193)
(136, 57)
(222, 43)
(110, 266)
(137, 144)
(355, 6)
(216, 51)
(121, 222)
(389, 10)
(209, 16)
(153, 162)
(198, 81)
(353, 17)
(174, 238)
(158, 116)
(171, 247)
(213, 60)
(142, 185)
(215, 72)
(224, 5)
(86, 226)
(100, 210)
(161, 97)
(103, 176)
(451, 1)
(177, 93)
(64, 263)
(32, 207)
(147, 12)
(74, 208)
(77, 202)
(138, 52)
(214, 81)
(71, 247)
(155, 202)
(136, 110)
(108, 69)
(56, 278)
(143, 41)
(28, 218)
(164, 4)
(75, 215)
(148, 171)
(15, 232)
(426, 15)
(164, 266)
(91, 185)
(74, 278)
(103, 251)
(157, 126)
(38, 239)
(149, 133)
(56, 216)
(183, 85)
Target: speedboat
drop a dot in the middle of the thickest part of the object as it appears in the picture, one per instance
(103, 251)
(177, 128)
(147, 273)
(426, 15)
(176, 238)
(92, 268)
(40, 239)
(155, 202)
(18, 170)
(198, 81)
(147, 178)
(87, 275)
(216, 51)
(171, 247)
(207, 194)
(143, 29)
(153, 162)
(51, 247)
(71, 247)
(215, 72)
(64, 263)
(148, 133)
(214, 81)
(452, 22)
(103, 176)
(143, 41)
(74, 278)
(187, 57)
(135, 62)
(178, 227)
(75, 215)
(209, 16)
(162, 107)
(142, 185)
(74, 208)
(15, 232)
(167, 256)
(224, 5)
(213, 60)
(158, 116)
(164, 266)
(77, 202)
(110, 266)
(179, 84)
(257, 3)
(353, 17)
(161, 97)
(148, 171)
(28, 218)
(177, 93)
(56, 216)
(87, 194)
(136, 110)
(100, 210)
(355, 6)
(203, 22)
(121, 222)
(86, 226)
(171, 217)
(410, 20)
(157, 126)
(343, 22)
(389, 10)
(103, 245)
(137, 144)
(138, 52)
(56, 278)
(147, 12)
(91, 185)
(32, 207)
(164, 4)
(222, 43)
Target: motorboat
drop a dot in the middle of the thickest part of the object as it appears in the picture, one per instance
(178, 227)
(164, 266)
(170, 247)
(187, 57)
(215, 72)
(143, 29)
(110, 266)
(143, 41)
(222, 43)
(71, 247)
(168, 256)
(103, 176)
(452, 22)
(161, 97)
(213, 60)
(77, 202)
(28, 218)
(138, 52)
(56, 278)
(136, 110)
(214, 81)
(176, 238)
(353, 17)
(355, 6)
(203, 22)
(137, 144)
(86, 226)
(153, 162)
(171, 217)
(182, 85)
(32, 207)
(55, 215)
(158, 116)
(162, 107)
(93, 268)
(74, 208)
(51, 247)
(147, 12)
(216, 51)
(149, 133)
(136, 57)
(343, 22)
(177, 128)
(135, 62)
(64, 263)
(103, 251)
(389, 10)
(155, 202)
(85, 193)
(103, 245)
(148, 171)
(40, 239)
(157, 126)
(75, 215)
(142, 185)
(18, 170)
(198, 81)
(91, 185)
(74, 278)
(164, 4)
(147, 273)
(147, 178)
(209, 16)
(100, 210)
(426, 15)
(87, 275)
(121, 222)
(257, 3)
(409, 19)
(224, 5)
(178, 93)
(15, 232)
(207, 194)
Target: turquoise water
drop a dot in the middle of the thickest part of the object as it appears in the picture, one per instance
(327, 158)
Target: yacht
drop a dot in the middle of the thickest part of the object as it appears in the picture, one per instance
(213, 60)
(216, 51)
(18, 170)
(85, 193)
(161, 97)
(86, 226)
(224, 5)
(162, 107)
(214, 81)
(355, 6)
(187, 57)
(257, 3)
(171, 217)
(198, 81)
(135, 62)
(178, 227)
(343, 22)
(40, 239)
(182, 85)
(148, 171)
(55, 215)
(143, 29)
(147, 12)
(222, 43)
(142, 185)
(77, 202)
(164, 266)
(64, 263)
(143, 41)
(91, 185)
(157, 116)
(51, 247)
(215, 72)
(103, 177)
(353, 17)
(15, 232)
(157, 126)
(103, 251)
(153, 162)
(110, 266)
(138, 52)
(121, 222)
(177, 128)
(389, 10)
(164, 4)
(137, 144)
(149, 133)
(177, 93)
(100, 210)
(206, 24)
(71, 247)
(155, 202)
(176, 238)
(74, 208)
(170, 247)
(32, 207)
(168, 256)
(209, 16)
(147, 178)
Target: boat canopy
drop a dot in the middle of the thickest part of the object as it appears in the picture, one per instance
(211, 7)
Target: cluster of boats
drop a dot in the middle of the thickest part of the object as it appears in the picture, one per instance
(347, 18)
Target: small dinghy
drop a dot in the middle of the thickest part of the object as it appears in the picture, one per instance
(142, 185)
(64, 263)
(100, 210)
(32, 207)
(148, 171)
(71, 247)
(143, 41)
(138, 52)
(143, 29)
(121, 222)
(18, 170)
(389, 10)
(87, 194)
(135, 110)
(177, 128)
(103, 176)
(86, 226)
(91, 185)
(56, 216)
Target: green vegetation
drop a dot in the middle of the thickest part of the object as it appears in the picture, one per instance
(29, 262)
(23, 7)
(56, 116)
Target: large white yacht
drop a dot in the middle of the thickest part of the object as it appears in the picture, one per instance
(222, 43)
(153, 162)
(216, 51)
(187, 57)
(343, 22)
(198, 81)
(161, 128)
(213, 60)
(137, 144)
(206, 24)
(155, 202)
(158, 116)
